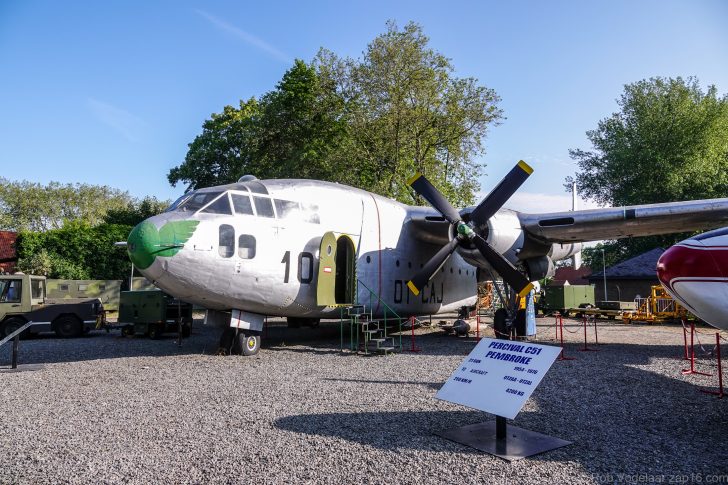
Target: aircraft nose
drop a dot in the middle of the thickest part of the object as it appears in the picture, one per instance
(692, 259)
(142, 244)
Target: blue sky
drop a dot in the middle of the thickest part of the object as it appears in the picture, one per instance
(112, 92)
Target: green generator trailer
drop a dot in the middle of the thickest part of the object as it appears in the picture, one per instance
(563, 298)
(152, 313)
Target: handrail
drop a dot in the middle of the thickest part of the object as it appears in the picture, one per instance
(17, 332)
(371, 292)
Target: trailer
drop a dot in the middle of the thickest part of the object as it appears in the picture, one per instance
(153, 313)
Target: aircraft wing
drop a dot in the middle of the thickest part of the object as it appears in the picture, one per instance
(620, 222)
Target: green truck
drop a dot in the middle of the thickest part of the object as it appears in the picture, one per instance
(562, 298)
(23, 299)
(152, 313)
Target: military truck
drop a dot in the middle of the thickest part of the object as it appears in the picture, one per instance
(23, 299)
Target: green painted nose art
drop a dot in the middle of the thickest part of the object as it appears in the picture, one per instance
(145, 242)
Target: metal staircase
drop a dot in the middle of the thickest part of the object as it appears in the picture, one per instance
(368, 335)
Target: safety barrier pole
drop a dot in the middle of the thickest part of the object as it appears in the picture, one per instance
(685, 339)
(586, 349)
(692, 370)
(557, 315)
(562, 356)
(412, 347)
(596, 335)
(719, 392)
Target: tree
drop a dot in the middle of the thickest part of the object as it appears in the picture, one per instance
(411, 114)
(370, 123)
(75, 251)
(136, 211)
(32, 206)
(668, 142)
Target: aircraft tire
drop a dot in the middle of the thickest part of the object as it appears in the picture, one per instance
(500, 325)
(246, 344)
(226, 341)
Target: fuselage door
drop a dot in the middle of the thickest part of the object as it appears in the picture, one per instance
(326, 286)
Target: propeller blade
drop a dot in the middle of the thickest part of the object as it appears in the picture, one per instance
(504, 268)
(428, 191)
(430, 268)
(501, 193)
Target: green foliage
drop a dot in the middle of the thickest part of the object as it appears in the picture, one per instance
(370, 123)
(136, 211)
(75, 251)
(35, 207)
(668, 142)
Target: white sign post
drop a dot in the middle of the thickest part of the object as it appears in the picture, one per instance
(497, 377)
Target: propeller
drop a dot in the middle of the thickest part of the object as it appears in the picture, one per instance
(464, 232)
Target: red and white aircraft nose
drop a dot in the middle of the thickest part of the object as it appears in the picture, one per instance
(695, 272)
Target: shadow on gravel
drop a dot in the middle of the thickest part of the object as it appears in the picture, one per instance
(397, 430)
(431, 385)
(622, 415)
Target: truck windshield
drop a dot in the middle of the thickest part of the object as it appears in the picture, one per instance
(10, 291)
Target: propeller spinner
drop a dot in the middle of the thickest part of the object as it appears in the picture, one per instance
(464, 231)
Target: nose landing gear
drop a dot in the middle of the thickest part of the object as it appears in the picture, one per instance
(235, 341)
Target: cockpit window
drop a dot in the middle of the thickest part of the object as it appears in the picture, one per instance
(242, 204)
(177, 202)
(263, 206)
(220, 206)
(196, 201)
(286, 209)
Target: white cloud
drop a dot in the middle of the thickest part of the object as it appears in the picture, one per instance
(128, 125)
(245, 36)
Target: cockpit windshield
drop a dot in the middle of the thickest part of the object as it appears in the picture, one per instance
(196, 201)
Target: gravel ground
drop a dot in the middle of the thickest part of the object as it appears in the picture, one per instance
(107, 409)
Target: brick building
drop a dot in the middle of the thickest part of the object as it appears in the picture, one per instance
(628, 279)
(8, 256)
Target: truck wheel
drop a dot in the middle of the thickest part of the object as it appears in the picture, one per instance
(246, 344)
(68, 326)
(11, 325)
(127, 331)
(154, 331)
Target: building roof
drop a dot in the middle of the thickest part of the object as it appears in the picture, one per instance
(573, 276)
(642, 267)
(7, 246)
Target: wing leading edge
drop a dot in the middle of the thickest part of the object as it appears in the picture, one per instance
(620, 222)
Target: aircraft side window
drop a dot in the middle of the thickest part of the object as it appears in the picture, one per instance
(220, 206)
(242, 204)
(286, 208)
(226, 241)
(246, 246)
(264, 207)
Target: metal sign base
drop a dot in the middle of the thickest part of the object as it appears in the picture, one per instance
(518, 442)
(21, 368)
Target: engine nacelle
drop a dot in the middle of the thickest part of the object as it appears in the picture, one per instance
(503, 233)
(539, 268)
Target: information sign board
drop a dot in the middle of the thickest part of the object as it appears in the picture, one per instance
(498, 376)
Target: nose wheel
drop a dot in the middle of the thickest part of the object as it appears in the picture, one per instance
(239, 342)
